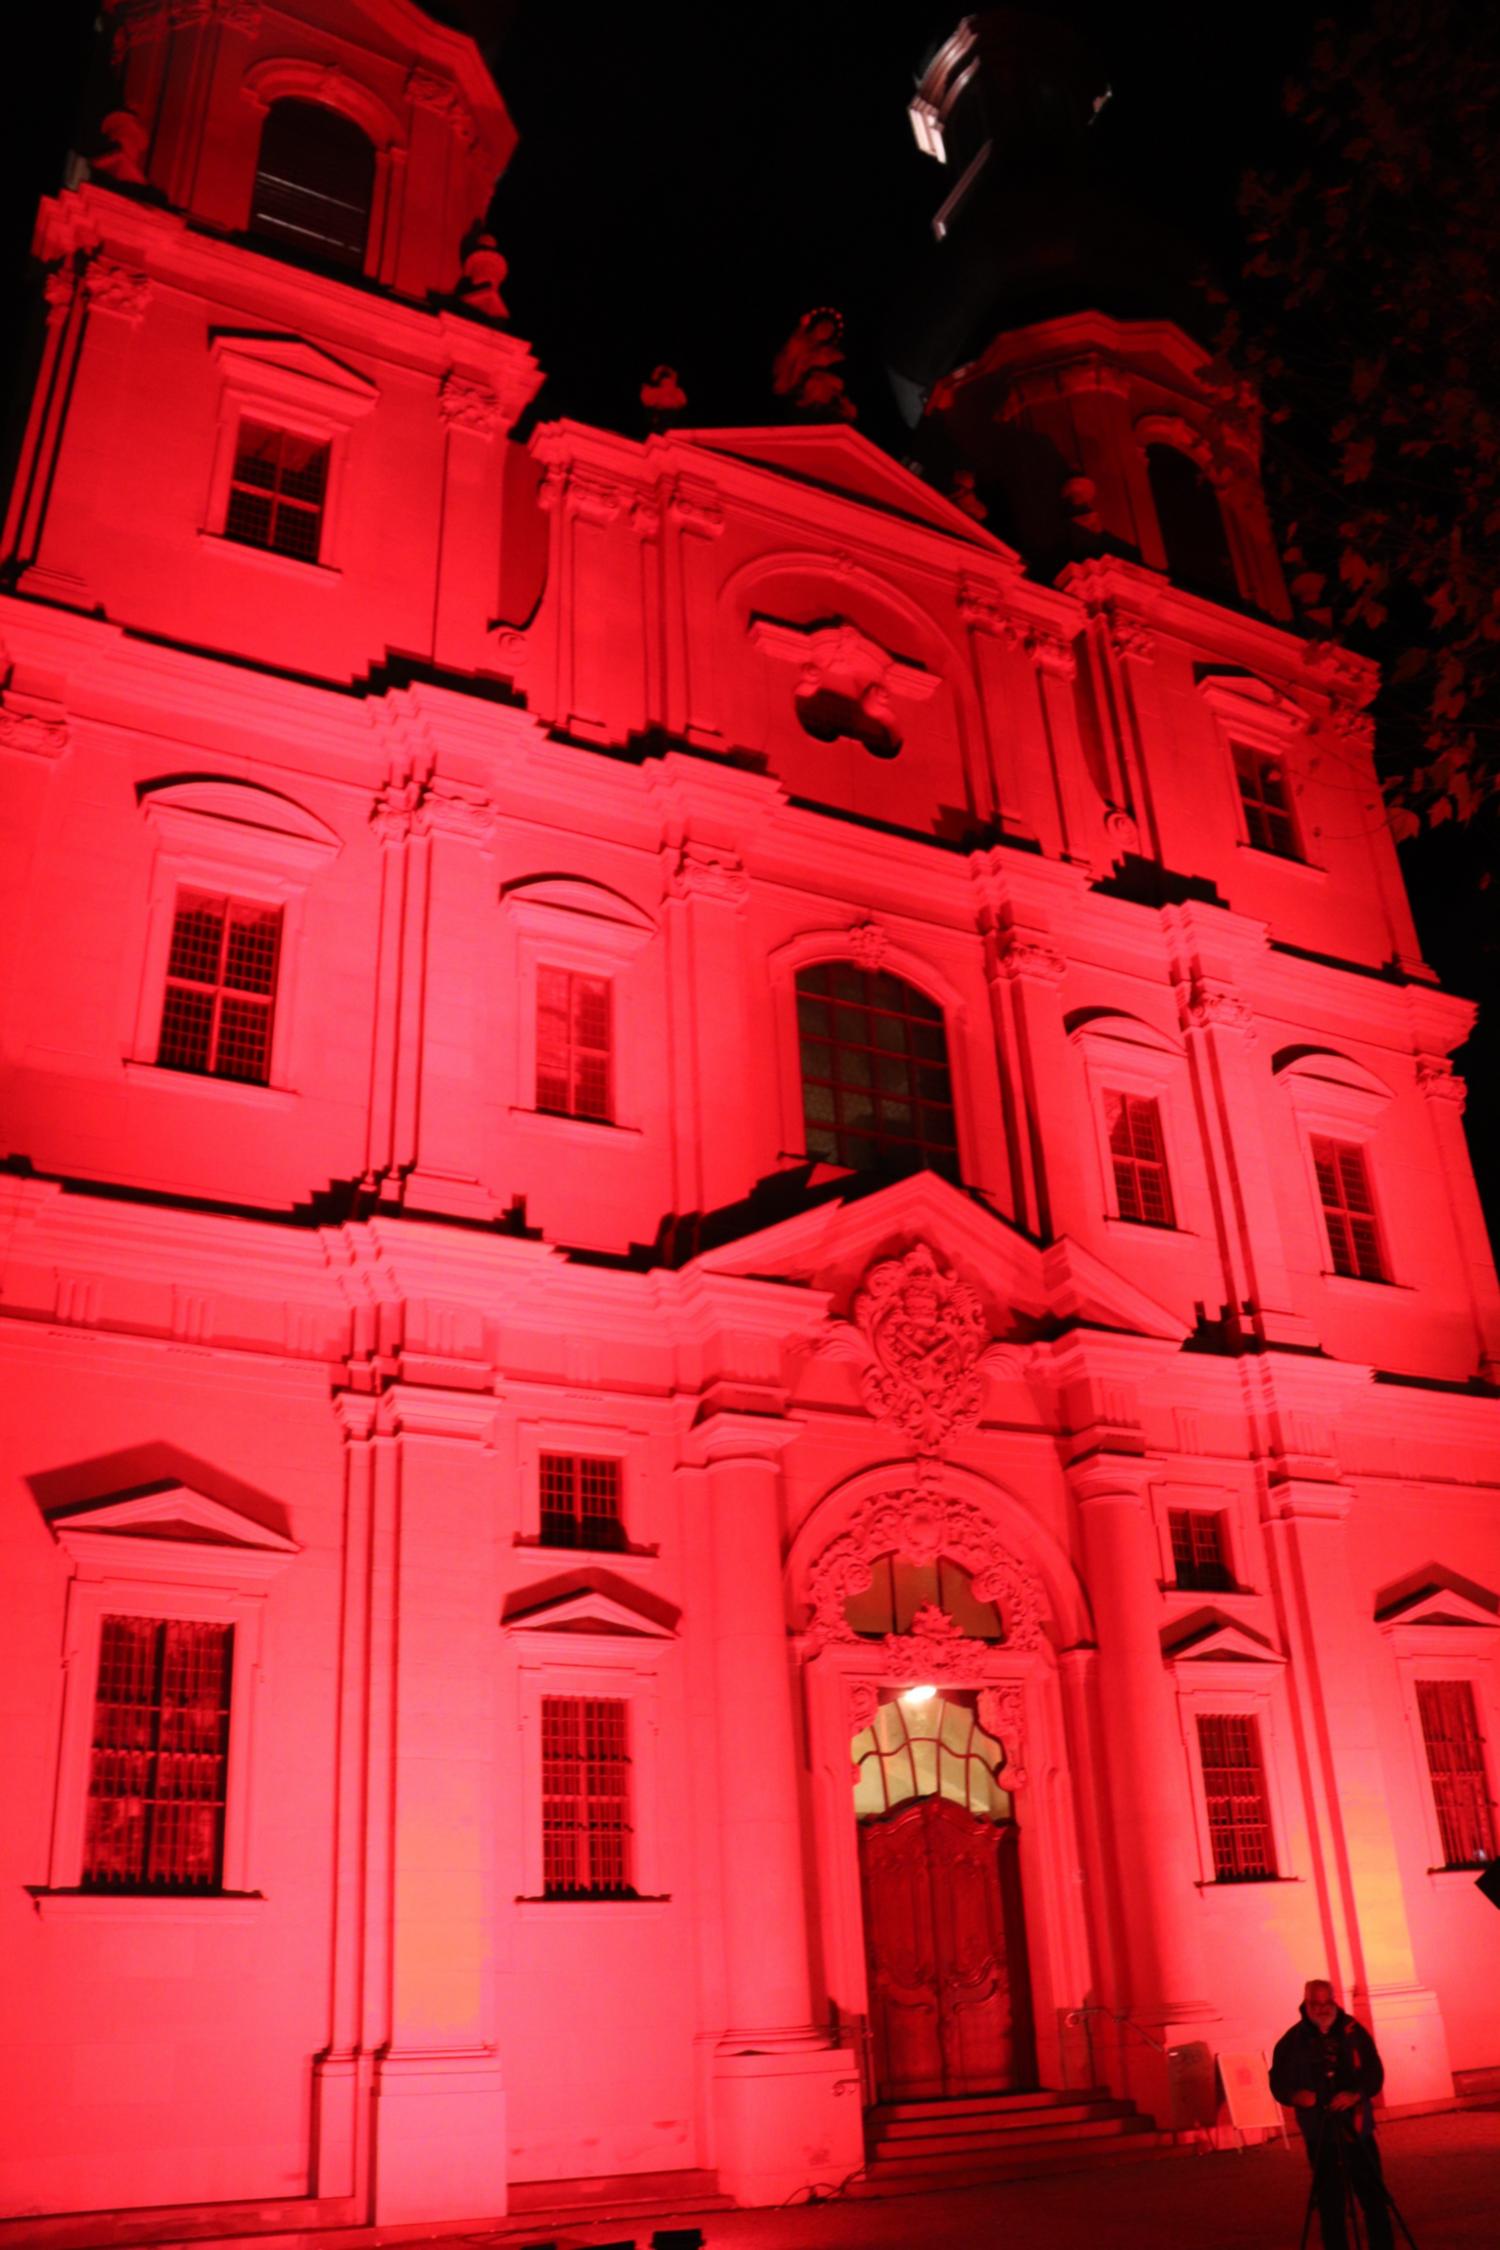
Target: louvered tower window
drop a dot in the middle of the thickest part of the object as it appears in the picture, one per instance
(314, 183)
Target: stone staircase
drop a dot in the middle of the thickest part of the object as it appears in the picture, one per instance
(964, 2143)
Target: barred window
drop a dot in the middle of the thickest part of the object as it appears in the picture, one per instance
(876, 1089)
(314, 183)
(1455, 1761)
(1199, 1558)
(1348, 1209)
(1265, 801)
(160, 1757)
(221, 988)
(277, 490)
(1138, 1153)
(573, 1044)
(580, 1497)
(1234, 1786)
(585, 1798)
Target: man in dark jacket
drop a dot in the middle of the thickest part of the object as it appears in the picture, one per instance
(1327, 2068)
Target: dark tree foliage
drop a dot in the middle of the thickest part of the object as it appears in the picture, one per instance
(1371, 310)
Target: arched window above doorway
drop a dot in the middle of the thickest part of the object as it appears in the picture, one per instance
(877, 1094)
(928, 1746)
(899, 1587)
(1191, 524)
(314, 183)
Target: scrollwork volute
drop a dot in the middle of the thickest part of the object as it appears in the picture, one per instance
(923, 1523)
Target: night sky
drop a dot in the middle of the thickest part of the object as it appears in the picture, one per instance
(689, 181)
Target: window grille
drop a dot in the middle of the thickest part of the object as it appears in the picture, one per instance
(221, 988)
(1265, 801)
(573, 1044)
(1234, 1785)
(160, 1757)
(314, 183)
(1348, 1209)
(876, 1089)
(1455, 1760)
(580, 1501)
(1198, 1556)
(277, 490)
(1138, 1152)
(1191, 523)
(585, 1798)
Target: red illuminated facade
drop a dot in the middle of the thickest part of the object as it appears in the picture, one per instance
(651, 1099)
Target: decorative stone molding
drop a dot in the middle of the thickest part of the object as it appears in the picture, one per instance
(585, 492)
(417, 803)
(41, 733)
(466, 402)
(932, 1643)
(1002, 1714)
(695, 508)
(115, 289)
(1052, 653)
(925, 1331)
(707, 871)
(981, 608)
(1129, 638)
(869, 944)
(1440, 1082)
(1020, 953)
(1206, 1005)
(922, 1523)
(426, 90)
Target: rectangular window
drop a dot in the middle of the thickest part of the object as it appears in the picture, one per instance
(1348, 1209)
(1234, 1785)
(1198, 1552)
(585, 1798)
(221, 988)
(573, 1044)
(159, 1758)
(1455, 1760)
(1265, 801)
(1138, 1153)
(277, 490)
(580, 1501)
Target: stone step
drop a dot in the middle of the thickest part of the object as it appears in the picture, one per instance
(985, 2104)
(985, 2124)
(1035, 2162)
(537, 2205)
(943, 2150)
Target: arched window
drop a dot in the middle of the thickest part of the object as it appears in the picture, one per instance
(899, 1587)
(934, 1747)
(1191, 524)
(876, 1089)
(314, 183)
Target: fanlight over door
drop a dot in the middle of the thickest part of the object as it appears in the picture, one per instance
(939, 1877)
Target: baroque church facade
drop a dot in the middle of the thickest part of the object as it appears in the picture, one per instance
(749, 1364)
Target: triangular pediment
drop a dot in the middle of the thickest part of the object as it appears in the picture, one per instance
(169, 1513)
(587, 1611)
(1441, 1603)
(1208, 1637)
(839, 460)
(829, 1247)
(248, 353)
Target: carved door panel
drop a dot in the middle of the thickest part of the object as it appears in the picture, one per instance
(938, 1882)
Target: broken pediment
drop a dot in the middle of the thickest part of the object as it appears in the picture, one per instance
(840, 460)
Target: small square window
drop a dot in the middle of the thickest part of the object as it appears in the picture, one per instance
(1348, 1210)
(1265, 800)
(580, 1502)
(574, 1075)
(1234, 1789)
(221, 988)
(1455, 1765)
(159, 1757)
(277, 490)
(1138, 1153)
(1200, 1560)
(586, 1835)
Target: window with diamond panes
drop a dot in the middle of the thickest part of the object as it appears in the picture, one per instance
(221, 988)
(1348, 1210)
(1455, 1761)
(1265, 801)
(159, 1758)
(876, 1089)
(1199, 1558)
(573, 1044)
(580, 1497)
(1139, 1156)
(585, 1798)
(276, 492)
(1234, 1787)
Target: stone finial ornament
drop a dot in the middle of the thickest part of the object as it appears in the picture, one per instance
(123, 154)
(805, 370)
(484, 268)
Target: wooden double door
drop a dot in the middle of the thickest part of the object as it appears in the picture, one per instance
(949, 2011)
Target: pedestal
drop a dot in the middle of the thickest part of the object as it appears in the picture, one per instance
(1408, 2028)
(786, 2121)
(440, 2143)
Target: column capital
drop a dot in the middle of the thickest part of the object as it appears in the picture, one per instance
(740, 1422)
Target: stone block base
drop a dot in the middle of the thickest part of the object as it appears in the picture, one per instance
(1413, 2043)
(440, 2142)
(786, 2121)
